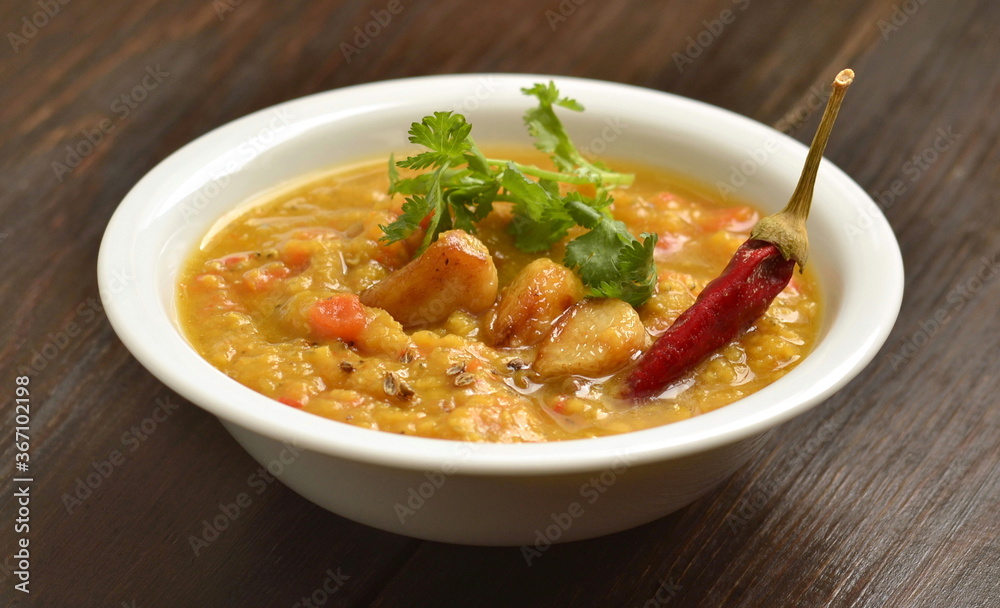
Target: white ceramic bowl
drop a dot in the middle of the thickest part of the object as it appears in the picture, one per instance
(494, 494)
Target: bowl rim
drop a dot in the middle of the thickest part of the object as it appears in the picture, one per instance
(139, 328)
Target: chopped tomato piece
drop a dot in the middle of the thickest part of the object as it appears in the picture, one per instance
(228, 261)
(291, 402)
(559, 406)
(734, 219)
(263, 278)
(341, 316)
(424, 223)
(393, 256)
(208, 282)
(668, 244)
(219, 301)
(297, 253)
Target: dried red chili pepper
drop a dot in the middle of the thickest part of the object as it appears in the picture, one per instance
(758, 271)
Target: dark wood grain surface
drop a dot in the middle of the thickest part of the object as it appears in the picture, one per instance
(886, 495)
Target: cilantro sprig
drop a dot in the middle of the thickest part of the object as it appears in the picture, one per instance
(461, 184)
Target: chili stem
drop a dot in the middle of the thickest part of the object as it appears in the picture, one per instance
(787, 228)
(801, 199)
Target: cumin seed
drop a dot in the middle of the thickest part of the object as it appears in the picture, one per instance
(464, 379)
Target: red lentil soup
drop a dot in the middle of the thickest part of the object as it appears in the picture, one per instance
(475, 340)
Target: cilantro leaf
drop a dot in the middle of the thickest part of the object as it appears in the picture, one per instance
(415, 209)
(447, 137)
(531, 199)
(445, 134)
(637, 281)
(541, 218)
(546, 128)
(551, 137)
(393, 174)
(459, 186)
(609, 260)
(440, 219)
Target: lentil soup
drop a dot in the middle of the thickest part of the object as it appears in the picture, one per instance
(474, 340)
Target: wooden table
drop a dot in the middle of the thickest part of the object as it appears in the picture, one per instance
(886, 495)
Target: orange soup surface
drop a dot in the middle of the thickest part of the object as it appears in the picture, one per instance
(284, 299)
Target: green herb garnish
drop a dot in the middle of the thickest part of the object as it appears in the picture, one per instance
(462, 184)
